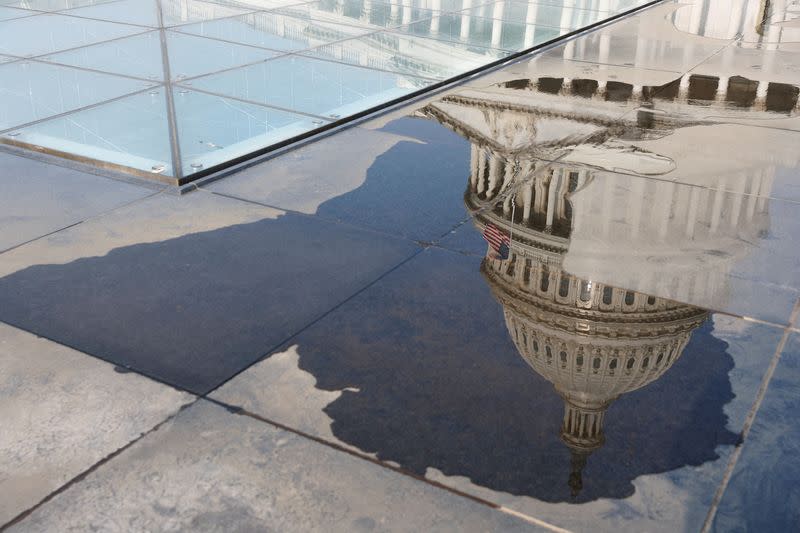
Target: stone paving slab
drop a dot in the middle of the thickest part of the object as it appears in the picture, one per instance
(421, 370)
(61, 412)
(189, 289)
(37, 198)
(211, 470)
(361, 176)
(763, 494)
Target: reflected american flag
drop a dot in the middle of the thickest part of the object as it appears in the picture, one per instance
(498, 241)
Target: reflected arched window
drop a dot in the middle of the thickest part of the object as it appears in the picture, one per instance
(563, 287)
(545, 283)
(629, 298)
(586, 291)
(608, 294)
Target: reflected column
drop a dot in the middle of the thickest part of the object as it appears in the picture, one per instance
(531, 15)
(466, 5)
(497, 24)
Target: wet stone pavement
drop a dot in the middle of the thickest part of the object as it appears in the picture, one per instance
(325, 340)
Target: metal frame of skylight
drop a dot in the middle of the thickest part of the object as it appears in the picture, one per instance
(328, 127)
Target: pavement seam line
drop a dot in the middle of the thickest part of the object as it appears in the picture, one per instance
(399, 470)
(83, 475)
(313, 216)
(749, 420)
(313, 322)
(78, 223)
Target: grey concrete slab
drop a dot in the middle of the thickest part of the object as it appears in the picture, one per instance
(189, 289)
(762, 494)
(307, 177)
(61, 412)
(362, 176)
(211, 470)
(435, 368)
(37, 198)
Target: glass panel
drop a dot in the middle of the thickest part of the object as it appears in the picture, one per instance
(557, 16)
(32, 91)
(43, 34)
(213, 130)
(274, 31)
(189, 11)
(262, 5)
(244, 97)
(362, 13)
(435, 5)
(8, 13)
(550, 12)
(138, 56)
(312, 86)
(52, 5)
(407, 54)
(141, 12)
(190, 55)
(137, 136)
(483, 32)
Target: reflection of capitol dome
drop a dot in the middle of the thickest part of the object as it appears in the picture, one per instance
(592, 342)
